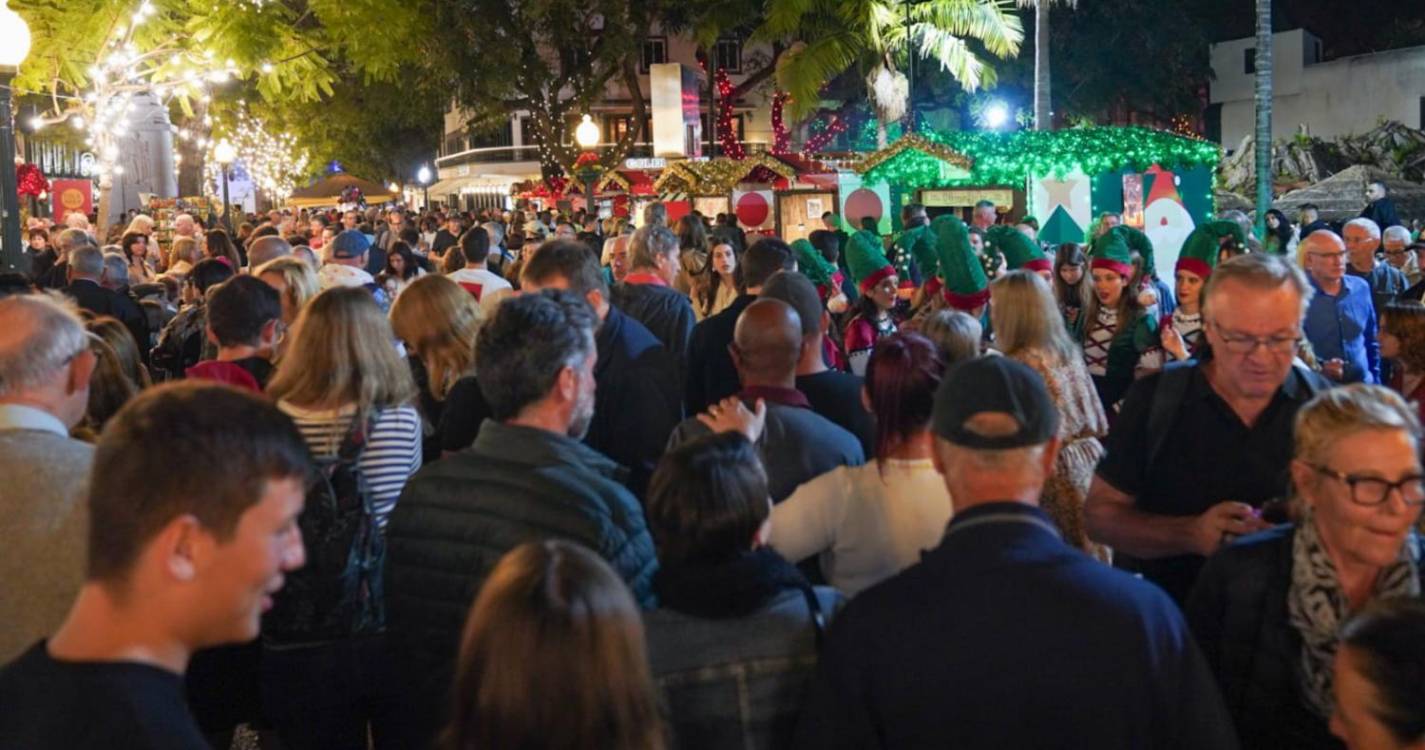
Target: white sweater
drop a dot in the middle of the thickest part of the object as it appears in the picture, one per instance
(866, 524)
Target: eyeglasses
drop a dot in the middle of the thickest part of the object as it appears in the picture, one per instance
(1372, 491)
(1237, 343)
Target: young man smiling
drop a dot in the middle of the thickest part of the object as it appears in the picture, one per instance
(181, 556)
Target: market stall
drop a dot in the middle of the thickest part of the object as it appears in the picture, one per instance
(340, 189)
(1159, 182)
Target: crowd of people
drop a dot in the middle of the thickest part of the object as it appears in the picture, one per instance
(404, 479)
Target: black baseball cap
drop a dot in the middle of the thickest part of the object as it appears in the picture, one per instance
(994, 384)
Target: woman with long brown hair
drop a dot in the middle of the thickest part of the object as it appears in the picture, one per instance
(1022, 312)
(437, 320)
(218, 245)
(553, 656)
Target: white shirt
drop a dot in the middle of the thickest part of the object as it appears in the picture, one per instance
(20, 417)
(866, 525)
(487, 286)
(333, 275)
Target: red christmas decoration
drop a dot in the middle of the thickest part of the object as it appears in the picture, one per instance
(726, 135)
(31, 180)
(781, 139)
(819, 141)
(585, 159)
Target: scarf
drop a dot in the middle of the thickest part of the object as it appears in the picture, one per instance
(1317, 606)
(731, 588)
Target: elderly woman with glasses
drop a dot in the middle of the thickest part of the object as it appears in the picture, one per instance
(1268, 608)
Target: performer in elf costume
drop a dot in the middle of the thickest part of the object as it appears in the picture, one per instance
(1182, 331)
(874, 313)
(1019, 251)
(916, 242)
(826, 276)
(965, 286)
(1115, 329)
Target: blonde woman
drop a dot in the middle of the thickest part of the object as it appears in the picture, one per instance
(295, 282)
(437, 320)
(1029, 328)
(183, 255)
(348, 391)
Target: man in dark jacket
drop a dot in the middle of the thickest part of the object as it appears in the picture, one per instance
(637, 401)
(647, 295)
(710, 374)
(1005, 636)
(1380, 209)
(86, 269)
(797, 444)
(527, 478)
(834, 395)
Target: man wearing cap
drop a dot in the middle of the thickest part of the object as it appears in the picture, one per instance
(1201, 447)
(1003, 635)
(345, 265)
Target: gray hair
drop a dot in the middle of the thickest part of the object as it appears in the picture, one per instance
(649, 243)
(53, 334)
(1396, 233)
(266, 248)
(655, 214)
(116, 269)
(1260, 271)
(1364, 222)
(1343, 411)
(87, 261)
(71, 239)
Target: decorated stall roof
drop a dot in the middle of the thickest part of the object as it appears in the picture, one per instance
(951, 159)
(719, 176)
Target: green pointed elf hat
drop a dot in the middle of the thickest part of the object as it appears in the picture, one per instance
(1018, 250)
(1110, 253)
(811, 262)
(1139, 243)
(866, 260)
(920, 243)
(966, 286)
(1200, 250)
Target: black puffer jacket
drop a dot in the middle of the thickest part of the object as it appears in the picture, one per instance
(664, 311)
(1238, 611)
(457, 517)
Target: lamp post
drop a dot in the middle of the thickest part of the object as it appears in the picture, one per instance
(587, 136)
(423, 177)
(225, 154)
(14, 48)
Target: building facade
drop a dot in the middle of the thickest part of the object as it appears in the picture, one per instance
(475, 170)
(1329, 98)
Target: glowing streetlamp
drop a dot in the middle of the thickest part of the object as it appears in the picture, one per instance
(225, 155)
(587, 136)
(423, 177)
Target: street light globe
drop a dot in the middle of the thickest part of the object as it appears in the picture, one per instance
(14, 38)
(394, 187)
(224, 153)
(423, 175)
(587, 134)
(996, 115)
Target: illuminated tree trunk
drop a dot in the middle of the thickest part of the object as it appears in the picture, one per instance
(1264, 113)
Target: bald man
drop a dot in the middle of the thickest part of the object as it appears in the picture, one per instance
(1341, 319)
(797, 444)
(267, 248)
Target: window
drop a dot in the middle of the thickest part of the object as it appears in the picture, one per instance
(729, 55)
(1249, 60)
(655, 52)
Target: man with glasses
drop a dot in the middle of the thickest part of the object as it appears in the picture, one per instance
(1200, 450)
(1363, 240)
(1341, 320)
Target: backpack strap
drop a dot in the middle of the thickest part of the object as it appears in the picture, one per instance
(1167, 402)
(353, 445)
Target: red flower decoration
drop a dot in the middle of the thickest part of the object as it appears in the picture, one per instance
(31, 180)
(585, 159)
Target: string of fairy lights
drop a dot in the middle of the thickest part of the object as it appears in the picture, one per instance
(118, 86)
(275, 161)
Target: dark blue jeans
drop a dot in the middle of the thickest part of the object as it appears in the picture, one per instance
(330, 695)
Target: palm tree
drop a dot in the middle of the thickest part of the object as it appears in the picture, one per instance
(1264, 113)
(1043, 105)
(874, 38)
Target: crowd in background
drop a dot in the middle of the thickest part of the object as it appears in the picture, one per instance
(391, 478)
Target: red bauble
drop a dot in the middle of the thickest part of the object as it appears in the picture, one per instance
(31, 181)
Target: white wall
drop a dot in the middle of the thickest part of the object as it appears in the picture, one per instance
(1339, 97)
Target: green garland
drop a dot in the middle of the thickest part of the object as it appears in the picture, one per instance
(1009, 158)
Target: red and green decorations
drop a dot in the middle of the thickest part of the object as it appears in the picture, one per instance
(726, 133)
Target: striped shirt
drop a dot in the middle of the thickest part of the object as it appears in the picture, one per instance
(391, 456)
(1099, 339)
